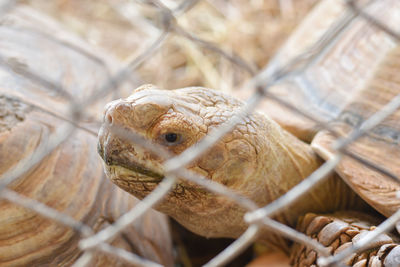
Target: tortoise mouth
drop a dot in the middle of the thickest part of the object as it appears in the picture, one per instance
(113, 160)
(134, 167)
(131, 176)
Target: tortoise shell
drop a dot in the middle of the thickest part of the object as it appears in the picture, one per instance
(341, 85)
(37, 60)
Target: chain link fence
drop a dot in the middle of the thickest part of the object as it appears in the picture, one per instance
(283, 68)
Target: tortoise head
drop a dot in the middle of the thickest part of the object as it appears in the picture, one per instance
(177, 120)
(251, 160)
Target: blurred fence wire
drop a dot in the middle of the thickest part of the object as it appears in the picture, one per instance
(262, 80)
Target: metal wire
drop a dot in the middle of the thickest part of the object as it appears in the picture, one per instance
(257, 217)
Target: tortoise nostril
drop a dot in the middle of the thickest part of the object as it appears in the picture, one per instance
(109, 119)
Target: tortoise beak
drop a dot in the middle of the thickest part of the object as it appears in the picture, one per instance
(113, 151)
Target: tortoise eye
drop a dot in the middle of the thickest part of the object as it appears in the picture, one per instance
(171, 138)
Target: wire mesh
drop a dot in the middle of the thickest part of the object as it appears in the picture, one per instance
(275, 73)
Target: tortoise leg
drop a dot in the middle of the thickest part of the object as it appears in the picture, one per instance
(337, 232)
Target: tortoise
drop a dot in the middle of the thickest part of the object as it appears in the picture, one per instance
(70, 179)
(272, 150)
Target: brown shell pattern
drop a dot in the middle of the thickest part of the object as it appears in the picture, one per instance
(71, 178)
(343, 84)
(381, 145)
(334, 57)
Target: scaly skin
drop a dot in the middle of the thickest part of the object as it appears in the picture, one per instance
(339, 231)
(258, 159)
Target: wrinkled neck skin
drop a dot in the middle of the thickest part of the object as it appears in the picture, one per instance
(283, 161)
(258, 159)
